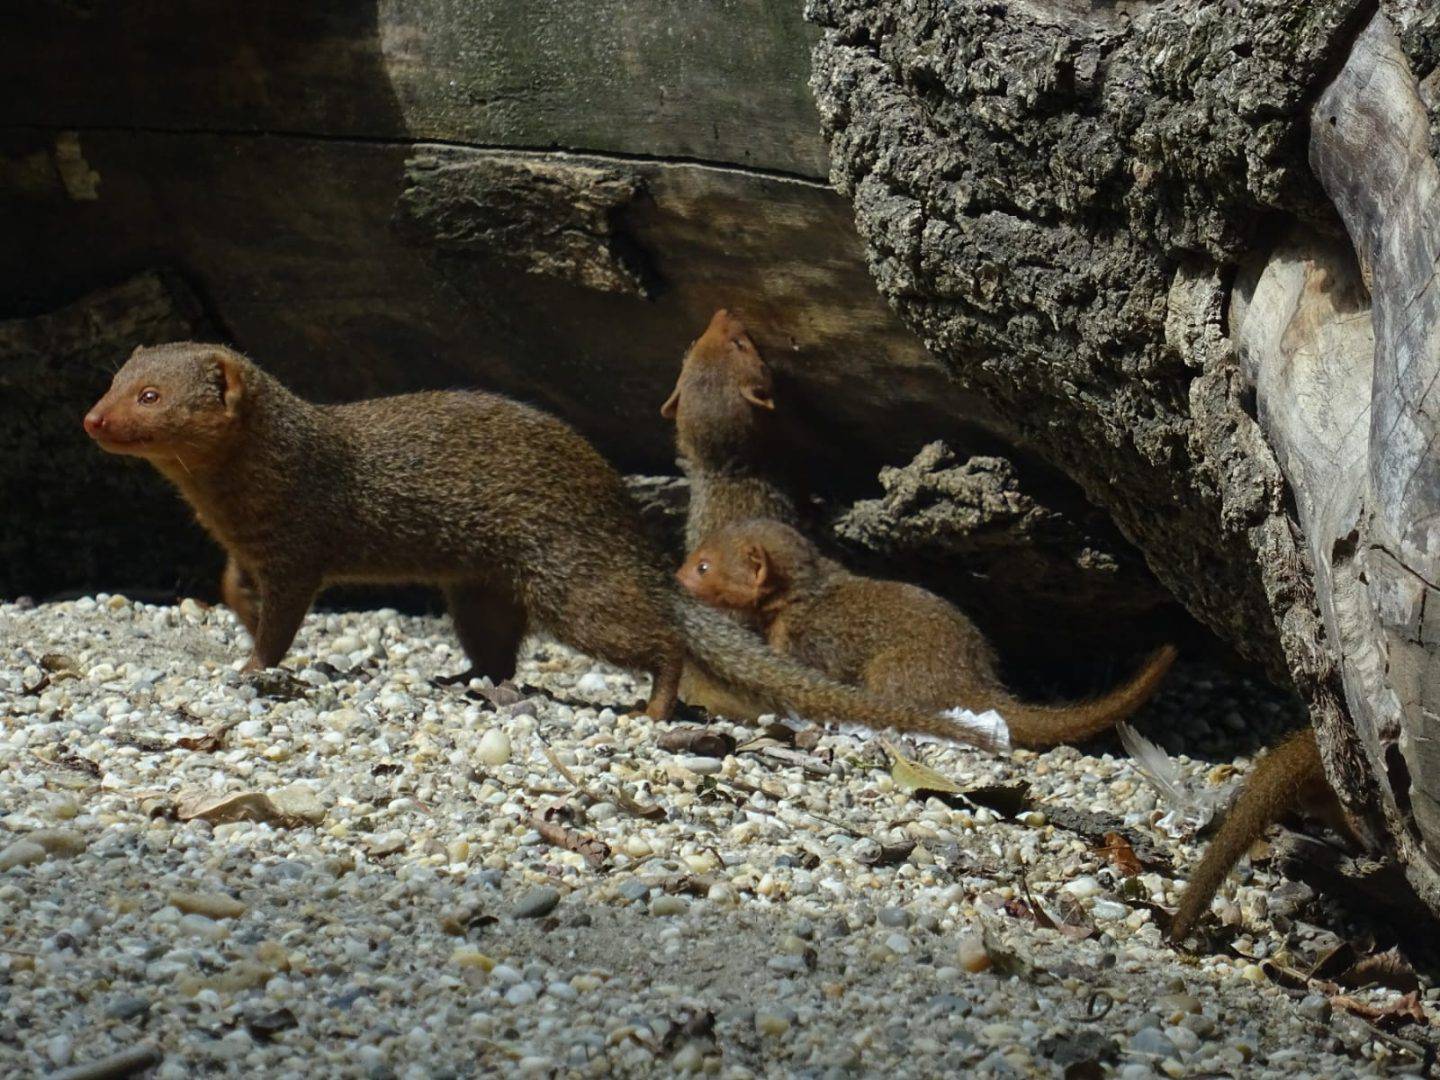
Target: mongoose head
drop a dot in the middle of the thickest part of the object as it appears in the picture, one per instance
(182, 401)
(750, 566)
(724, 396)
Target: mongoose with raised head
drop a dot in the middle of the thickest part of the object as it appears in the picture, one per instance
(1290, 777)
(723, 406)
(514, 515)
(897, 641)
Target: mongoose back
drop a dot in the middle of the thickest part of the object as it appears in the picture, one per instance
(723, 406)
(514, 515)
(897, 641)
(1288, 778)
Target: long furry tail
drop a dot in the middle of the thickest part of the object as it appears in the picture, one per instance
(738, 657)
(1279, 782)
(1051, 725)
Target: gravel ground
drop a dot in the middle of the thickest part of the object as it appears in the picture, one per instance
(401, 914)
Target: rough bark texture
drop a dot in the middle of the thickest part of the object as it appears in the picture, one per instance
(1190, 249)
(969, 529)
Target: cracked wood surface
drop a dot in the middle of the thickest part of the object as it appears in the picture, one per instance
(1370, 147)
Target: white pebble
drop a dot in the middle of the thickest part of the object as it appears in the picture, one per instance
(494, 748)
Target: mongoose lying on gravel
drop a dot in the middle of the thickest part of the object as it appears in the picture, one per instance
(897, 641)
(1290, 777)
(723, 406)
(511, 512)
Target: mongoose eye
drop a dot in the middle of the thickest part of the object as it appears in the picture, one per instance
(148, 396)
(702, 567)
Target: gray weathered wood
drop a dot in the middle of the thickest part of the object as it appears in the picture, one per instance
(1371, 149)
(719, 80)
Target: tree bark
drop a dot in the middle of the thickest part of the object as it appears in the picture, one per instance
(1190, 250)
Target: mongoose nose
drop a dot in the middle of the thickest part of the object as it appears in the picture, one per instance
(94, 423)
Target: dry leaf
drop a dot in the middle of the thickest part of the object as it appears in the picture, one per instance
(1118, 852)
(208, 743)
(595, 850)
(698, 740)
(242, 806)
(1403, 1010)
(913, 776)
(1388, 969)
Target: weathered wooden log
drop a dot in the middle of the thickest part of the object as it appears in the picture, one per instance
(1192, 250)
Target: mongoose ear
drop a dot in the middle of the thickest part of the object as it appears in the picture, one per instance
(672, 403)
(757, 395)
(759, 560)
(231, 382)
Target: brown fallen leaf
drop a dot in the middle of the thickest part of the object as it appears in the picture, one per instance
(595, 851)
(698, 740)
(1118, 852)
(1403, 1010)
(1388, 969)
(241, 806)
(211, 741)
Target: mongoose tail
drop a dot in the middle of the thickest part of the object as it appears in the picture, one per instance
(1051, 725)
(1281, 781)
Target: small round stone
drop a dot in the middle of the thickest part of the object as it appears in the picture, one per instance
(537, 903)
(494, 748)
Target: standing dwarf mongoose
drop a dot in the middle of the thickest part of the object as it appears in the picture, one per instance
(511, 512)
(723, 406)
(896, 641)
(1289, 777)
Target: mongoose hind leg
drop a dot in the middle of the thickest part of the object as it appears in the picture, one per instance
(490, 624)
(237, 589)
(665, 692)
(619, 614)
(284, 600)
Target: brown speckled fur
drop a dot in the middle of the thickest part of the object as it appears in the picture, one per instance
(723, 406)
(512, 513)
(724, 410)
(1289, 777)
(897, 641)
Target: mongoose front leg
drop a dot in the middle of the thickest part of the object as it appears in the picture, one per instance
(237, 589)
(283, 604)
(490, 624)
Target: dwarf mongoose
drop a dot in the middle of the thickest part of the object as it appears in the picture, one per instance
(510, 511)
(897, 641)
